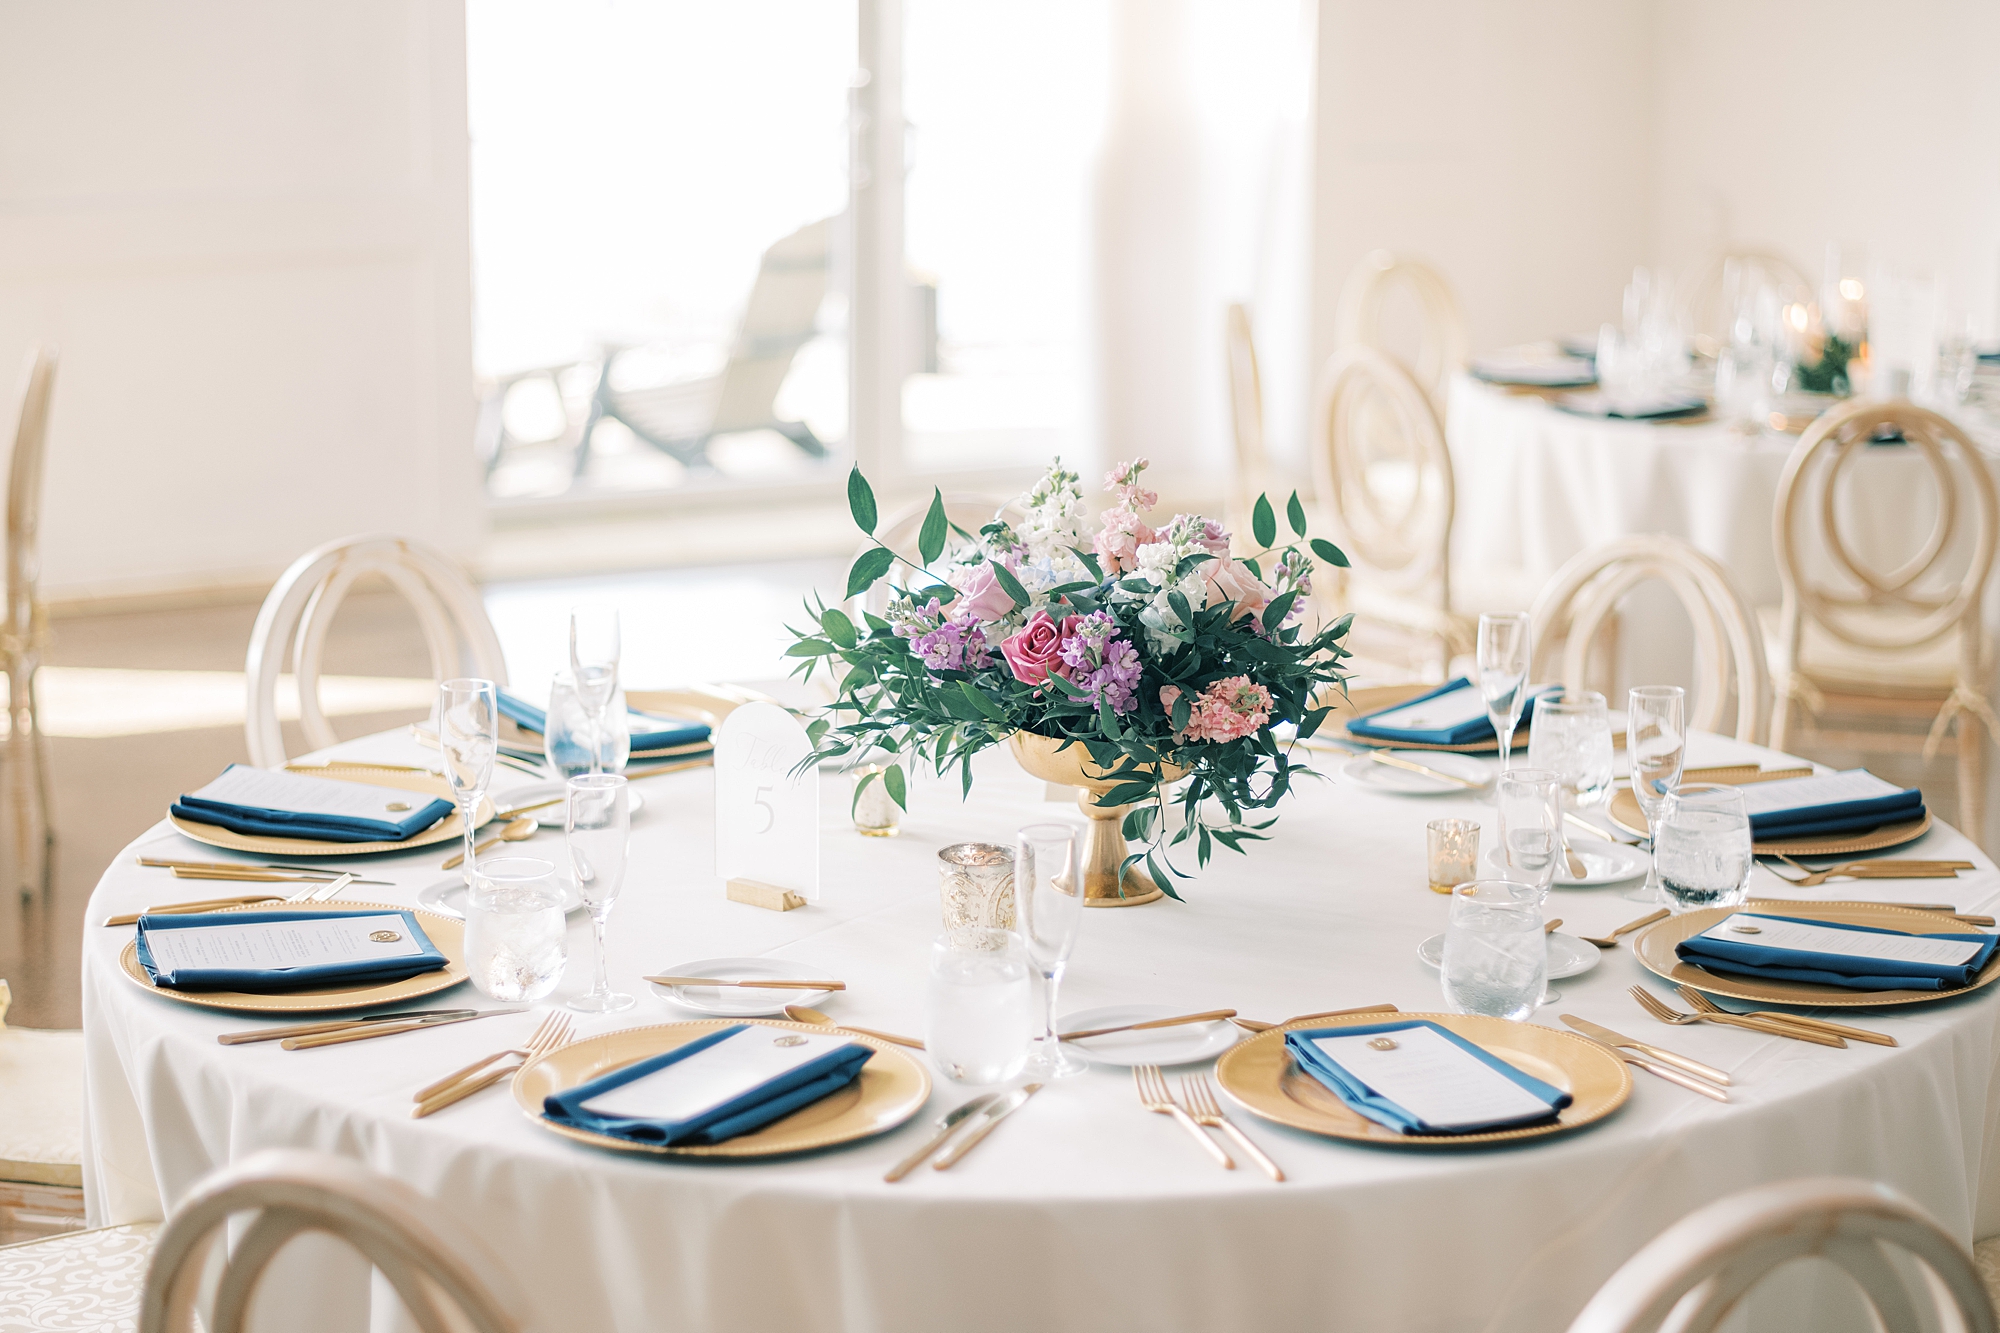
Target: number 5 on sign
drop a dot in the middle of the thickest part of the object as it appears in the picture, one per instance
(766, 809)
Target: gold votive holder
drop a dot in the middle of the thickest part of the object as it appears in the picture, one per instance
(976, 886)
(1452, 850)
(876, 814)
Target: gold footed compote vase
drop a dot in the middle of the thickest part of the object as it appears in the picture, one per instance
(1104, 849)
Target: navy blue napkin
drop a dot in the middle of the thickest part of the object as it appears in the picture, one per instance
(1479, 728)
(274, 981)
(271, 822)
(1746, 959)
(1364, 1100)
(1839, 816)
(1603, 405)
(768, 1101)
(531, 718)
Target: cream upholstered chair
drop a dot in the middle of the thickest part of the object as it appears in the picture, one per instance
(41, 1130)
(300, 608)
(1692, 1274)
(1246, 416)
(1701, 298)
(1854, 640)
(1579, 602)
(24, 629)
(1358, 318)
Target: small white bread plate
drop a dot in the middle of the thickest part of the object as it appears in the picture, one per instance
(1387, 777)
(446, 897)
(1190, 1043)
(740, 1001)
(1603, 862)
(1568, 955)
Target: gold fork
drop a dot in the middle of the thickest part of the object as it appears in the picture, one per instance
(1206, 1111)
(551, 1032)
(1661, 1010)
(1702, 1004)
(1154, 1095)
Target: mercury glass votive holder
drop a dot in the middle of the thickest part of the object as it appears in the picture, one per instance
(976, 884)
(1452, 851)
(876, 814)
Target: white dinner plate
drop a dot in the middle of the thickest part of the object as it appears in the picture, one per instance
(1387, 777)
(735, 1001)
(446, 897)
(1568, 955)
(1188, 1044)
(1603, 862)
(534, 793)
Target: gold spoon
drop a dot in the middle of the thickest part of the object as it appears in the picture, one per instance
(517, 830)
(800, 1013)
(1611, 941)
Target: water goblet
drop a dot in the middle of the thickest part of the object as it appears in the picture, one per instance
(1656, 740)
(1495, 955)
(978, 1011)
(1048, 902)
(1572, 739)
(598, 820)
(1503, 651)
(593, 664)
(1703, 847)
(468, 729)
(516, 941)
(1531, 844)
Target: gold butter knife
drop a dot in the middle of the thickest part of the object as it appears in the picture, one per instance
(988, 1121)
(1211, 1016)
(1610, 1038)
(946, 1123)
(774, 983)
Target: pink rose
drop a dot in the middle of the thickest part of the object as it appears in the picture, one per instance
(1034, 650)
(981, 596)
(1118, 542)
(1213, 539)
(1232, 581)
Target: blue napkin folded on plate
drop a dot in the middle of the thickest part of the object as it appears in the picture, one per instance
(535, 719)
(267, 981)
(1364, 1100)
(1839, 816)
(749, 1110)
(1730, 958)
(270, 821)
(1478, 728)
(1604, 405)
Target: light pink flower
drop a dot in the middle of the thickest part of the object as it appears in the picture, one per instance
(1232, 581)
(1035, 649)
(1123, 482)
(1228, 710)
(981, 596)
(1119, 540)
(1213, 539)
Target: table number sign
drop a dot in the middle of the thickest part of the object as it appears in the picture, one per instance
(766, 808)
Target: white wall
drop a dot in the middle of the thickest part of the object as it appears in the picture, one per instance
(1790, 123)
(244, 224)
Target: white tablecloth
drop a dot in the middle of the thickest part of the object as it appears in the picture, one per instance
(1082, 1212)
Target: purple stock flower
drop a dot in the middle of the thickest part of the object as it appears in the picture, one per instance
(1101, 664)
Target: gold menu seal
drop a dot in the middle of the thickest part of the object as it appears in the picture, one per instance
(384, 936)
(1382, 1044)
(398, 805)
(789, 1039)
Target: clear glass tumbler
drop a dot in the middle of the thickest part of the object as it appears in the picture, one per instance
(979, 1006)
(1656, 742)
(1495, 956)
(1703, 848)
(1572, 739)
(516, 941)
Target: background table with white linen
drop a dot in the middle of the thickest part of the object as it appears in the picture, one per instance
(1082, 1211)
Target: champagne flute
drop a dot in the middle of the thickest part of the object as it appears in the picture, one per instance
(598, 820)
(593, 664)
(1048, 904)
(1504, 645)
(1531, 842)
(1656, 739)
(468, 728)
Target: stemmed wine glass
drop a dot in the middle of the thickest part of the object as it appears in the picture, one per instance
(598, 819)
(1656, 739)
(593, 664)
(1530, 811)
(1048, 903)
(1504, 645)
(468, 728)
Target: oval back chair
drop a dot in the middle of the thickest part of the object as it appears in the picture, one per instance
(24, 629)
(300, 608)
(1442, 343)
(1696, 1270)
(1855, 639)
(1579, 603)
(422, 1250)
(1246, 416)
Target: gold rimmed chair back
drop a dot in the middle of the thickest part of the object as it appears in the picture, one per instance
(1857, 640)
(1384, 483)
(1694, 1273)
(1441, 344)
(300, 609)
(435, 1263)
(24, 629)
(1578, 605)
(1246, 417)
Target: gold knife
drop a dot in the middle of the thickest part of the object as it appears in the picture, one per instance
(1610, 1038)
(988, 1120)
(947, 1123)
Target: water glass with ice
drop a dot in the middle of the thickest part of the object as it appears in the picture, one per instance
(979, 1009)
(1495, 955)
(515, 936)
(1530, 818)
(1704, 847)
(1572, 739)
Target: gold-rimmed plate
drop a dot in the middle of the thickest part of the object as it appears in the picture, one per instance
(1655, 950)
(1262, 1077)
(1625, 813)
(448, 935)
(893, 1086)
(445, 830)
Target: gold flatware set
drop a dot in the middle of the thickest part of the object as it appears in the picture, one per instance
(315, 891)
(771, 983)
(800, 1013)
(1664, 1064)
(1211, 1016)
(552, 1032)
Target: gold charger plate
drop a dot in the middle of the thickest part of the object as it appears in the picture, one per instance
(1261, 1075)
(445, 932)
(892, 1087)
(1655, 950)
(1625, 813)
(445, 830)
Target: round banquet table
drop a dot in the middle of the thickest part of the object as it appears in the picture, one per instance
(1082, 1211)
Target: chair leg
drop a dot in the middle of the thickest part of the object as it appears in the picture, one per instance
(1972, 778)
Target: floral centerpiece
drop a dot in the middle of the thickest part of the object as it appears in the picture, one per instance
(1149, 650)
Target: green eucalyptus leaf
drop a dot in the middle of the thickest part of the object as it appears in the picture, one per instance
(838, 628)
(1328, 552)
(861, 501)
(930, 541)
(1089, 562)
(892, 778)
(1009, 584)
(1263, 523)
(1295, 514)
(811, 648)
(859, 787)
(1280, 607)
(869, 566)
(981, 702)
